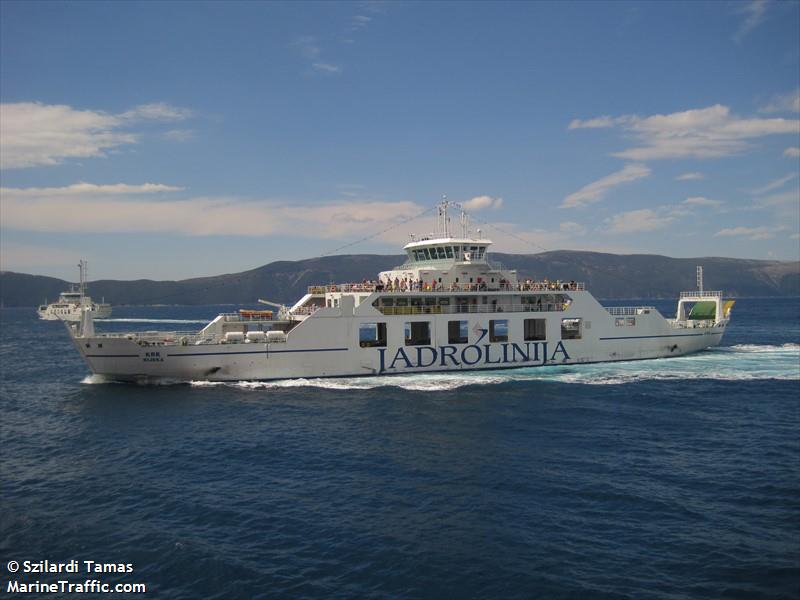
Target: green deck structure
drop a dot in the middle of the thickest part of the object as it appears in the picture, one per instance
(702, 311)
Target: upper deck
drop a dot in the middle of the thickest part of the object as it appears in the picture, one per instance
(417, 287)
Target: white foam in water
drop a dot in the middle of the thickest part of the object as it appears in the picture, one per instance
(729, 363)
(95, 379)
(757, 348)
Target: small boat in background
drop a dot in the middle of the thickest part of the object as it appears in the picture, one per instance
(69, 304)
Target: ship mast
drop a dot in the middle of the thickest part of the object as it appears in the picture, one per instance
(443, 221)
(83, 275)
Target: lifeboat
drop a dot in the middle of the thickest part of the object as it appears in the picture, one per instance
(247, 313)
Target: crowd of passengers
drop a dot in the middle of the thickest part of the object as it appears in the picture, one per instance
(418, 285)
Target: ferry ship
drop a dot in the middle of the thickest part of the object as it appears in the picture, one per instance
(447, 308)
(70, 305)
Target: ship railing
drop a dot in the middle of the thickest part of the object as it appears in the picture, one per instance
(621, 311)
(415, 287)
(306, 310)
(162, 338)
(705, 323)
(703, 294)
(451, 309)
(234, 317)
(555, 286)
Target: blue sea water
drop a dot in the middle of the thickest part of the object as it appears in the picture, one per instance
(675, 478)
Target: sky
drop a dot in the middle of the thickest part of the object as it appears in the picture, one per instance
(167, 140)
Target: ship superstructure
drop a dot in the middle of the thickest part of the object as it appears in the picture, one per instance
(446, 308)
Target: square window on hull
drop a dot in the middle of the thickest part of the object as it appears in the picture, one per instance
(458, 332)
(571, 329)
(418, 333)
(498, 330)
(372, 335)
(535, 330)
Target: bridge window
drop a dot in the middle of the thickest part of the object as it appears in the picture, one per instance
(570, 329)
(441, 252)
(498, 330)
(535, 330)
(448, 250)
(371, 335)
(458, 332)
(418, 333)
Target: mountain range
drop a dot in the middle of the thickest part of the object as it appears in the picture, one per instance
(606, 276)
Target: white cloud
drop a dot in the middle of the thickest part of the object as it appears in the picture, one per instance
(775, 184)
(326, 68)
(783, 103)
(636, 221)
(481, 202)
(754, 12)
(360, 22)
(512, 237)
(158, 111)
(751, 233)
(85, 189)
(700, 133)
(597, 190)
(596, 123)
(34, 134)
(119, 210)
(178, 135)
(702, 201)
(690, 176)
(308, 48)
(572, 228)
(792, 152)
(374, 6)
(790, 197)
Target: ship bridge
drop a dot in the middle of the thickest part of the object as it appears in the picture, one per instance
(443, 261)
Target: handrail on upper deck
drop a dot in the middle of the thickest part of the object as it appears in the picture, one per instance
(622, 311)
(703, 294)
(523, 286)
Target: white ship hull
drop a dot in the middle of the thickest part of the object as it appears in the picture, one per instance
(71, 312)
(327, 344)
(447, 308)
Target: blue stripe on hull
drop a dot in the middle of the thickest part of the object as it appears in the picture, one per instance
(643, 337)
(258, 352)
